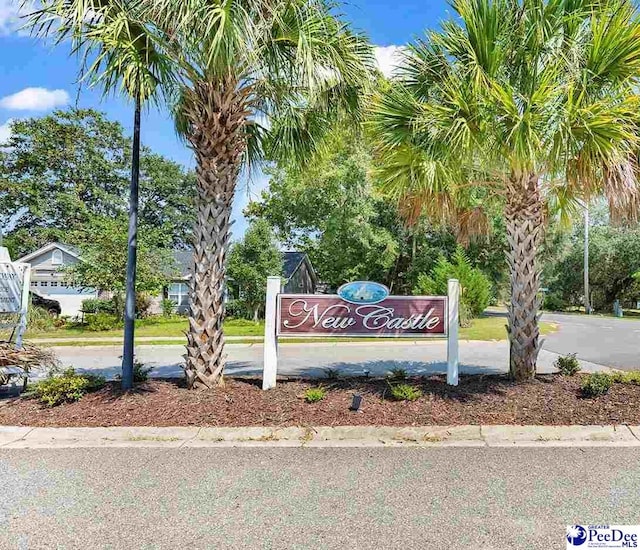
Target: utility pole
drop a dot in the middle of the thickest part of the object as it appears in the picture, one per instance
(132, 245)
(587, 301)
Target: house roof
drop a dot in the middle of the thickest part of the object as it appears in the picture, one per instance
(183, 262)
(292, 261)
(69, 249)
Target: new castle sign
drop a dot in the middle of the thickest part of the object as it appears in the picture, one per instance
(360, 309)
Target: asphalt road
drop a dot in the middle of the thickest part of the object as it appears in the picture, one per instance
(312, 498)
(604, 340)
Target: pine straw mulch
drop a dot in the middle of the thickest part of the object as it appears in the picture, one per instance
(549, 399)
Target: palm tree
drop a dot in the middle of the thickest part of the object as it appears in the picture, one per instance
(256, 79)
(525, 104)
(117, 52)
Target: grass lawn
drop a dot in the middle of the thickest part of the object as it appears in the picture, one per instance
(484, 328)
(155, 327)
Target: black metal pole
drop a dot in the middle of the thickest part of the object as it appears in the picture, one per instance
(130, 300)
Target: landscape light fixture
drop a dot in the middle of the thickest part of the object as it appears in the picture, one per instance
(356, 403)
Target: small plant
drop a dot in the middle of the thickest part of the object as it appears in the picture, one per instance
(168, 307)
(313, 395)
(405, 392)
(331, 374)
(397, 373)
(66, 387)
(140, 372)
(554, 302)
(627, 378)
(96, 305)
(567, 365)
(98, 322)
(596, 384)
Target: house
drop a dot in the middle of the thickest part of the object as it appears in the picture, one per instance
(298, 276)
(47, 278)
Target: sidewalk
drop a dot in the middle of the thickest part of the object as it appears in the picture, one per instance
(14, 437)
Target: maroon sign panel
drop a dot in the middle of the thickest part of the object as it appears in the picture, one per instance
(403, 316)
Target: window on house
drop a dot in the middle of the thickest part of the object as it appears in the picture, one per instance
(54, 283)
(56, 257)
(34, 283)
(44, 283)
(179, 294)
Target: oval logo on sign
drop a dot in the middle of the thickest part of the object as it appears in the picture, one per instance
(363, 292)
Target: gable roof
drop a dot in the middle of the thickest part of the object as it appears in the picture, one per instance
(183, 260)
(292, 262)
(69, 249)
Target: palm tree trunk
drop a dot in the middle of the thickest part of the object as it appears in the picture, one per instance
(216, 115)
(130, 300)
(524, 220)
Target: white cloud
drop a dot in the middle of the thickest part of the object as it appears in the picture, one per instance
(5, 132)
(35, 99)
(388, 58)
(10, 13)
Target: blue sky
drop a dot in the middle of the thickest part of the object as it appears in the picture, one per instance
(36, 77)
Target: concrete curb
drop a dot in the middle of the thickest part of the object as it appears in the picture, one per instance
(17, 437)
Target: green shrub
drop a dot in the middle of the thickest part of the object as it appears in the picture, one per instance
(554, 302)
(567, 365)
(313, 395)
(397, 374)
(97, 322)
(237, 309)
(475, 286)
(39, 319)
(95, 305)
(143, 304)
(627, 377)
(168, 307)
(596, 384)
(66, 387)
(405, 392)
(140, 372)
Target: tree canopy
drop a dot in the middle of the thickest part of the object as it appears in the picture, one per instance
(251, 261)
(59, 172)
(331, 210)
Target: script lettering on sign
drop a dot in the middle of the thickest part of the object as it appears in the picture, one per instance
(317, 315)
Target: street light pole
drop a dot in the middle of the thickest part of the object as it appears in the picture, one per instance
(132, 243)
(587, 301)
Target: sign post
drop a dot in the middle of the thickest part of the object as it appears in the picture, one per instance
(270, 369)
(453, 295)
(360, 309)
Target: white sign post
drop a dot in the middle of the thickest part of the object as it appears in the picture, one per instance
(270, 369)
(15, 279)
(447, 321)
(453, 295)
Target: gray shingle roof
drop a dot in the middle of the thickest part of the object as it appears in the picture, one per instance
(184, 262)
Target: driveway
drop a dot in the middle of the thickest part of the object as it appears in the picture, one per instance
(603, 340)
(271, 498)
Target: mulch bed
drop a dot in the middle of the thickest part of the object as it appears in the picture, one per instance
(549, 399)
